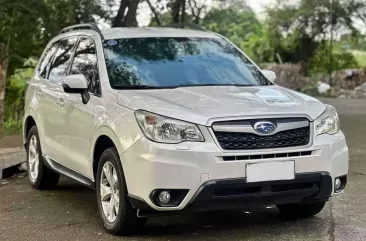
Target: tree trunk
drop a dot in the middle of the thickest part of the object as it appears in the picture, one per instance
(153, 10)
(3, 72)
(130, 19)
(183, 14)
(176, 11)
(118, 20)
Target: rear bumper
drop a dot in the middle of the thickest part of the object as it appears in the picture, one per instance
(237, 193)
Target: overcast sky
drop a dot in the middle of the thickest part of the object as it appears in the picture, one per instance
(258, 6)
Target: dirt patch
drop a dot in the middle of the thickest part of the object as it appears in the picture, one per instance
(11, 141)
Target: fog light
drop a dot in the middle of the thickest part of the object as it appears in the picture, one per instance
(337, 183)
(164, 197)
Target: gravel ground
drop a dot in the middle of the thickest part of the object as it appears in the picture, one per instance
(70, 211)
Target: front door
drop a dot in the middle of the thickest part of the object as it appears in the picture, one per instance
(77, 115)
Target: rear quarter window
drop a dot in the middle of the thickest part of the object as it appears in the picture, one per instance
(61, 59)
(45, 60)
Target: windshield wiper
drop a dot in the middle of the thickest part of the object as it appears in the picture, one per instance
(139, 87)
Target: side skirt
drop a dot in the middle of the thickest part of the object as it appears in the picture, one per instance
(68, 172)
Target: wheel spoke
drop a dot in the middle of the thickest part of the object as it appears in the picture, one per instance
(114, 177)
(107, 169)
(111, 210)
(105, 192)
(116, 202)
(32, 164)
(33, 149)
(36, 165)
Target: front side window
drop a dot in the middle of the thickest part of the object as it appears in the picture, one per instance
(85, 62)
(178, 62)
(61, 60)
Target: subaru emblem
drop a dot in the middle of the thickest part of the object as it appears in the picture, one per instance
(265, 127)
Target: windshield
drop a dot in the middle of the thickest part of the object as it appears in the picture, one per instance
(177, 62)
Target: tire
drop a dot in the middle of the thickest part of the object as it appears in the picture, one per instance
(122, 217)
(300, 211)
(40, 176)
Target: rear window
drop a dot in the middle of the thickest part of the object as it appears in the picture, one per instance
(175, 62)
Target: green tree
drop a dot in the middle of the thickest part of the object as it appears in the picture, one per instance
(19, 34)
(238, 26)
(26, 27)
(258, 48)
(297, 29)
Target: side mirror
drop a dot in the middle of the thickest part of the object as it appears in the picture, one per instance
(76, 84)
(270, 75)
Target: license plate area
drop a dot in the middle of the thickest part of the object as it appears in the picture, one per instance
(270, 171)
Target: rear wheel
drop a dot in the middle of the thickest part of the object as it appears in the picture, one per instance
(118, 215)
(300, 211)
(40, 176)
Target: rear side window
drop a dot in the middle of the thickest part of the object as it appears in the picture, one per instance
(85, 62)
(44, 62)
(61, 60)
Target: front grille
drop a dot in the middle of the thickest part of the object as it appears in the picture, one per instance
(251, 141)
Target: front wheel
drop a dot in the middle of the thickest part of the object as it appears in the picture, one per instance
(118, 215)
(300, 211)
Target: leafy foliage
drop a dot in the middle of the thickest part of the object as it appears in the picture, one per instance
(14, 101)
(341, 59)
(236, 25)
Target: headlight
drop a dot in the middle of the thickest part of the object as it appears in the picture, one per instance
(163, 129)
(328, 122)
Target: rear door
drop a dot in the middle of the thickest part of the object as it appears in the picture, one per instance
(77, 115)
(53, 108)
(38, 84)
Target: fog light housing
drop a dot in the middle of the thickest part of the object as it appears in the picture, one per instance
(168, 197)
(164, 197)
(340, 184)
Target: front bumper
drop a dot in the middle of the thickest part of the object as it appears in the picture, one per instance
(237, 194)
(149, 166)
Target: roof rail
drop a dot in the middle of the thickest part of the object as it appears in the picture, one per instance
(90, 26)
(185, 25)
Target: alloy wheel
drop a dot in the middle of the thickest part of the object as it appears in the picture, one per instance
(109, 191)
(33, 158)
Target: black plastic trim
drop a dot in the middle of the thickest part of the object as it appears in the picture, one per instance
(69, 172)
(138, 203)
(261, 193)
(272, 193)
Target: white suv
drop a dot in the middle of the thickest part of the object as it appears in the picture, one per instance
(164, 120)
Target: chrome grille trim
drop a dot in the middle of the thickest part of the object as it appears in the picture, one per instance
(247, 128)
(267, 156)
(229, 135)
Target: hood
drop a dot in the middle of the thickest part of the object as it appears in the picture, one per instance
(200, 104)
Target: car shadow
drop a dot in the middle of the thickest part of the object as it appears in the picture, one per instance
(256, 223)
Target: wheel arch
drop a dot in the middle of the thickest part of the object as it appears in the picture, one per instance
(104, 138)
(28, 123)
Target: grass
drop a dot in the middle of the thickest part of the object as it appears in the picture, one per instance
(360, 57)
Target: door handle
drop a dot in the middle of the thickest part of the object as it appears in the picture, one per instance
(61, 102)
